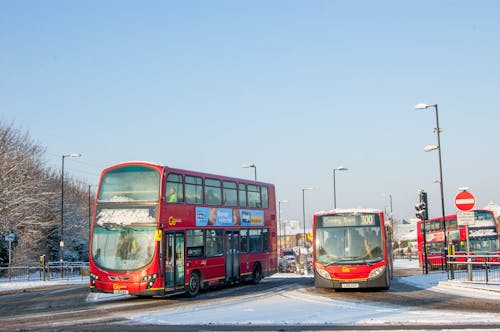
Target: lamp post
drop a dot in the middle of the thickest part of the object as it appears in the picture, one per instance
(438, 147)
(90, 211)
(254, 169)
(279, 220)
(304, 224)
(340, 168)
(392, 220)
(61, 243)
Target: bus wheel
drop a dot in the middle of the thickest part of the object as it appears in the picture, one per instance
(387, 280)
(257, 275)
(194, 284)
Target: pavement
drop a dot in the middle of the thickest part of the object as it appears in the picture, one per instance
(491, 287)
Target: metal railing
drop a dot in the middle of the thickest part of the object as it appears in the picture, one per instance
(51, 271)
(474, 268)
(412, 256)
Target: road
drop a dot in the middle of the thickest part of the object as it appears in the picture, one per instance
(67, 308)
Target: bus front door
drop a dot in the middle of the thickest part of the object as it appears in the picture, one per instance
(174, 262)
(232, 256)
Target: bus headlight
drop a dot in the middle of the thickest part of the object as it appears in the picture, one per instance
(93, 278)
(323, 273)
(150, 279)
(375, 273)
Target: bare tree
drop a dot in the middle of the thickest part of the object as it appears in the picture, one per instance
(30, 199)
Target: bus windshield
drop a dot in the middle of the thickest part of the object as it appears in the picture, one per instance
(130, 183)
(123, 248)
(124, 235)
(348, 245)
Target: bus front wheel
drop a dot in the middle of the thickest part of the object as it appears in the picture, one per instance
(194, 284)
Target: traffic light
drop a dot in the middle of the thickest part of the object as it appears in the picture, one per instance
(422, 208)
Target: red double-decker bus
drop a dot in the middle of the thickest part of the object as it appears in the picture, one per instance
(480, 234)
(158, 230)
(352, 249)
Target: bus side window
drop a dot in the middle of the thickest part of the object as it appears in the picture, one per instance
(194, 243)
(452, 224)
(213, 194)
(255, 240)
(265, 198)
(254, 196)
(244, 240)
(214, 243)
(230, 193)
(175, 190)
(265, 240)
(194, 190)
(242, 191)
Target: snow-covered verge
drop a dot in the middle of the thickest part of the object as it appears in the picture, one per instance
(296, 308)
(15, 285)
(299, 308)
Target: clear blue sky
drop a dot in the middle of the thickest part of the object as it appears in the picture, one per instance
(296, 87)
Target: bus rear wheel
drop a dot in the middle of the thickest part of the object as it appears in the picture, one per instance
(194, 284)
(257, 275)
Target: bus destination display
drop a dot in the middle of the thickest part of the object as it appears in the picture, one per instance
(340, 220)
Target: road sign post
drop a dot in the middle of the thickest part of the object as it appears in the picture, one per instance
(9, 238)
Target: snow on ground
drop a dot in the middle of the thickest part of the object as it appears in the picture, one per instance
(6, 285)
(297, 307)
(438, 282)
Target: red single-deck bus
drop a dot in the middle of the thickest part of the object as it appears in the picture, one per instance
(158, 230)
(352, 249)
(481, 231)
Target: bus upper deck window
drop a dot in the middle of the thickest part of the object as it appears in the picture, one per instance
(254, 196)
(175, 190)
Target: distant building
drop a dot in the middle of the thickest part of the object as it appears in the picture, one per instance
(289, 233)
(292, 227)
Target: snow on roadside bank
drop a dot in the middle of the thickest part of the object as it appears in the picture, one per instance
(16, 285)
(296, 308)
(299, 308)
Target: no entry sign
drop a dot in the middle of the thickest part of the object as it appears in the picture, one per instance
(465, 201)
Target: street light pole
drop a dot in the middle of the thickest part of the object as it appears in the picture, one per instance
(254, 169)
(90, 212)
(441, 185)
(392, 220)
(340, 168)
(279, 221)
(304, 223)
(61, 243)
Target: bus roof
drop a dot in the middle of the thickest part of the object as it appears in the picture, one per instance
(228, 178)
(340, 211)
(184, 171)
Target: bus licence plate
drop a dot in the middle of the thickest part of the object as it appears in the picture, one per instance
(120, 291)
(350, 285)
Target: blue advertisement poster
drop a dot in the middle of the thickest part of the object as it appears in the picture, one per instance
(251, 218)
(228, 217)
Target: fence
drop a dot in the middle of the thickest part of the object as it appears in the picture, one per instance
(410, 256)
(476, 268)
(51, 271)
